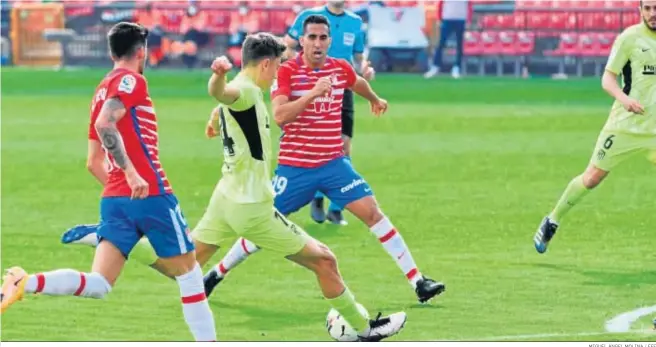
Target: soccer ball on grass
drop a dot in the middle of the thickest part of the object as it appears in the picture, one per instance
(339, 329)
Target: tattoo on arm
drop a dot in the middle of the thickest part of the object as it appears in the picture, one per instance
(112, 111)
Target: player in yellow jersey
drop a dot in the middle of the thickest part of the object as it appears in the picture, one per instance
(631, 126)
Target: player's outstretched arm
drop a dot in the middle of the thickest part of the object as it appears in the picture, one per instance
(363, 88)
(217, 86)
(285, 111)
(610, 84)
(96, 161)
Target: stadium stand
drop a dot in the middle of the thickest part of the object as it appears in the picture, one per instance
(572, 36)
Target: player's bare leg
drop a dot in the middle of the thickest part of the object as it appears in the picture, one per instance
(578, 188)
(318, 258)
(145, 254)
(367, 210)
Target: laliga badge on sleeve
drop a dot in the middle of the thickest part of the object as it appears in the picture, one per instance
(127, 84)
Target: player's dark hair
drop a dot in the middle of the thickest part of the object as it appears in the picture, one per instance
(316, 19)
(261, 46)
(125, 39)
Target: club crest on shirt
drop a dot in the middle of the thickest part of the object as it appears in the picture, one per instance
(322, 104)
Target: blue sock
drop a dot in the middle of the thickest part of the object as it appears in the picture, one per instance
(334, 207)
(318, 195)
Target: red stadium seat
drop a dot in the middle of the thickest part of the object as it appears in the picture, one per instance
(630, 18)
(631, 4)
(516, 43)
(568, 45)
(588, 45)
(525, 42)
(608, 4)
(538, 20)
(172, 20)
(519, 20)
(498, 21)
(279, 20)
(215, 4)
(524, 4)
(606, 41)
(562, 20)
(491, 43)
(473, 45)
(508, 43)
(219, 21)
(489, 21)
(611, 21)
(563, 5)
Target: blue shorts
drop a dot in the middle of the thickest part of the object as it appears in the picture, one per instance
(295, 186)
(124, 221)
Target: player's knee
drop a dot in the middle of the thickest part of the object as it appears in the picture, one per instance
(373, 216)
(326, 262)
(181, 264)
(593, 177)
(97, 286)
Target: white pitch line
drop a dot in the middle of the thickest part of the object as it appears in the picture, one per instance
(542, 336)
(622, 322)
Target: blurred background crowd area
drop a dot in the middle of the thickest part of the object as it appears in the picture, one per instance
(521, 38)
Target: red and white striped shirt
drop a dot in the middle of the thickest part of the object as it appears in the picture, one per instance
(315, 137)
(138, 128)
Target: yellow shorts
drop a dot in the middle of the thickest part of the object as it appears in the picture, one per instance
(615, 147)
(260, 223)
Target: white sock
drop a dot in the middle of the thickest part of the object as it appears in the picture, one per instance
(195, 307)
(235, 256)
(393, 243)
(68, 282)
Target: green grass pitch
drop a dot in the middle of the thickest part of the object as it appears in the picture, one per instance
(465, 169)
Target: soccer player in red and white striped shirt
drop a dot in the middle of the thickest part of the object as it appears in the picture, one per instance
(137, 198)
(307, 104)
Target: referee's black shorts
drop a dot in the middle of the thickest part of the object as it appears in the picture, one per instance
(347, 113)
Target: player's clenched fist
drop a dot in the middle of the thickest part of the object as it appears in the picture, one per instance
(323, 87)
(221, 65)
(137, 184)
(212, 128)
(378, 107)
(632, 105)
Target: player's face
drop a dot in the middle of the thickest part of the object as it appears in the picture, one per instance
(315, 42)
(269, 71)
(648, 11)
(336, 4)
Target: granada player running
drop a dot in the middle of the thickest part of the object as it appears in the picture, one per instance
(631, 127)
(137, 199)
(311, 154)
